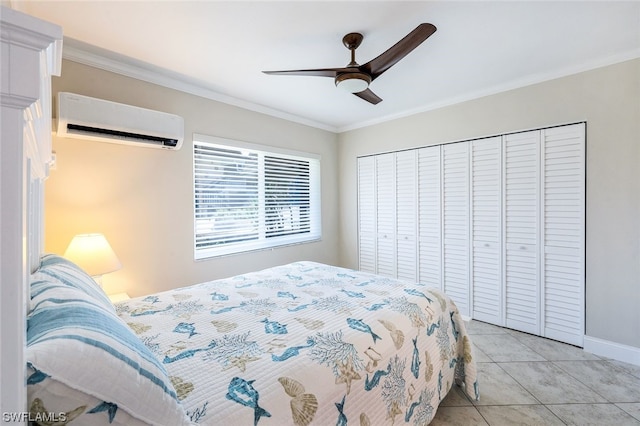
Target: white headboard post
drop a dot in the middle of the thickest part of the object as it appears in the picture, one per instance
(31, 52)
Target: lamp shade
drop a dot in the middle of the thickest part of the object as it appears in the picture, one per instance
(92, 253)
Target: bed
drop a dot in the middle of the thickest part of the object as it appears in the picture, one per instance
(297, 344)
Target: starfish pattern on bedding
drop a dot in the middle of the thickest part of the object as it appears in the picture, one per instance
(347, 374)
(240, 362)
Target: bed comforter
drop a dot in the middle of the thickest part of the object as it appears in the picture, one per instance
(307, 343)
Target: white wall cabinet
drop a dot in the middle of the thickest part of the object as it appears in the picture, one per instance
(497, 223)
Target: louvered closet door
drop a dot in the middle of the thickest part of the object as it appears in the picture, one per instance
(386, 214)
(455, 214)
(486, 229)
(429, 217)
(520, 180)
(406, 215)
(563, 237)
(366, 214)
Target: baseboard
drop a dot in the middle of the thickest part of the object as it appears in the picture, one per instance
(613, 350)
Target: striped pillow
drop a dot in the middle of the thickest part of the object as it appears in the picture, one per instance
(66, 272)
(73, 340)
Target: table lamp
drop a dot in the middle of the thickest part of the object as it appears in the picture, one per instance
(93, 253)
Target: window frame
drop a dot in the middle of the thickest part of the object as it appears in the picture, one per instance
(263, 242)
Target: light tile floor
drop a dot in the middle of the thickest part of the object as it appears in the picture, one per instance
(530, 380)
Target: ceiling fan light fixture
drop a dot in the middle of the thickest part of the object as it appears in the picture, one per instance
(353, 82)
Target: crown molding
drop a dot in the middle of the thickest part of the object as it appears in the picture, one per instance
(86, 54)
(510, 85)
(83, 53)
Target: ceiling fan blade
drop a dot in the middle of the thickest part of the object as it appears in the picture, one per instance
(320, 72)
(386, 60)
(369, 96)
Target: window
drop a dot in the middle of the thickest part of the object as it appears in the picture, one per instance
(250, 197)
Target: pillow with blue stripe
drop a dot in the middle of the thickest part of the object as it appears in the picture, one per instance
(54, 403)
(77, 350)
(68, 273)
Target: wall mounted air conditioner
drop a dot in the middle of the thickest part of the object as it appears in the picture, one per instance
(94, 119)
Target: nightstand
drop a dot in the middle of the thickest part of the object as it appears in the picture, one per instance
(118, 297)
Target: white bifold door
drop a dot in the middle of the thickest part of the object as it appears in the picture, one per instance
(486, 229)
(385, 212)
(497, 223)
(388, 214)
(563, 233)
(429, 216)
(521, 231)
(544, 232)
(367, 206)
(406, 215)
(455, 224)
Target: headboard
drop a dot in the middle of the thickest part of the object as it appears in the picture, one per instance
(31, 52)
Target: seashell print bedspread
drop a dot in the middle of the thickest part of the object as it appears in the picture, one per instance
(307, 343)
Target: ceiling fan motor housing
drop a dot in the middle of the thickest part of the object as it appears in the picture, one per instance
(353, 82)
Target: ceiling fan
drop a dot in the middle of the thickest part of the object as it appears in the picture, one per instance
(356, 78)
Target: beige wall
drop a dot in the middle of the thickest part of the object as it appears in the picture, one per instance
(141, 198)
(608, 99)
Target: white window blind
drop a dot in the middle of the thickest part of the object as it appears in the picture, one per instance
(249, 197)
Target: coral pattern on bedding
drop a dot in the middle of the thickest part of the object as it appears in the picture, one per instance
(307, 343)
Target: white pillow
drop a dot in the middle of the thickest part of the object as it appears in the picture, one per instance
(73, 340)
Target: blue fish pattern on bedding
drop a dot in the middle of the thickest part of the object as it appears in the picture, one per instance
(308, 343)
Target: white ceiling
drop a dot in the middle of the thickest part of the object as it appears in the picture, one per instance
(218, 49)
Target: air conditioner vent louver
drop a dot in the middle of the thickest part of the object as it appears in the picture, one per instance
(117, 134)
(88, 118)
